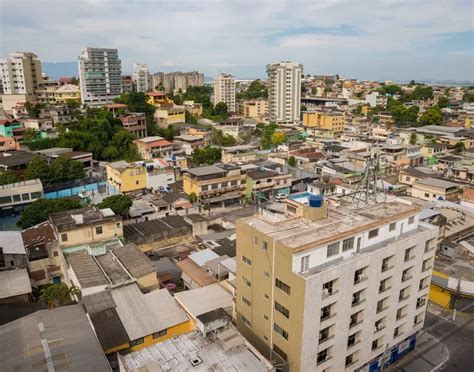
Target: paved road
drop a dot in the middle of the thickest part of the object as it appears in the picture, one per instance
(456, 337)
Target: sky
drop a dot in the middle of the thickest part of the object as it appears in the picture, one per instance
(366, 39)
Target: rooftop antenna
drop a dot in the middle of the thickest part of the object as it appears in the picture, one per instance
(364, 191)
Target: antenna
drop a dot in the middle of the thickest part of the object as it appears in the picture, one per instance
(364, 191)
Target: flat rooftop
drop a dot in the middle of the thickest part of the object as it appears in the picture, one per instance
(177, 354)
(300, 234)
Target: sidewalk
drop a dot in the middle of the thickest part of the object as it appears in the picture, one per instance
(429, 355)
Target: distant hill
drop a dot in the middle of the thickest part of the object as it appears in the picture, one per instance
(60, 69)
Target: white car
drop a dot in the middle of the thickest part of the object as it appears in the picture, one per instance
(281, 196)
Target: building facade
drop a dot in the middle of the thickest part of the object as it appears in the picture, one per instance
(100, 76)
(224, 91)
(284, 92)
(141, 77)
(319, 291)
(20, 73)
(126, 177)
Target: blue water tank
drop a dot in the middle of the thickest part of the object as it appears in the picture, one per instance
(316, 201)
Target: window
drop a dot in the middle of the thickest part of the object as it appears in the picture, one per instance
(34, 195)
(347, 244)
(137, 182)
(5, 199)
(384, 285)
(406, 274)
(64, 237)
(136, 342)
(328, 288)
(98, 230)
(323, 356)
(352, 339)
(359, 275)
(16, 198)
(401, 312)
(404, 294)
(280, 352)
(160, 333)
(326, 312)
(426, 265)
(373, 233)
(247, 260)
(428, 245)
(350, 359)
(245, 321)
(333, 249)
(356, 318)
(324, 334)
(357, 298)
(266, 296)
(284, 287)
(246, 281)
(408, 254)
(381, 305)
(398, 331)
(411, 220)
(265, 245)
(246, 301)
(386, 263)
(392, 226)
(282, 309)
(376, 343)
(304, 264)
(255, 240)
(427, 195)
(379, 324)
(25, 196)
(265, 316)
(280, 331)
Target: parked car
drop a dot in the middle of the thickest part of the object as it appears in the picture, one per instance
(281, 196)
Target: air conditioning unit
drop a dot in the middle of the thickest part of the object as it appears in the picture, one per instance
(325, 292)
(362, 277)
(422, 300)
(380, 325)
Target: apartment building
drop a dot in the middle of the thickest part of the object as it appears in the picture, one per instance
(177, 80)
(337, 291)
(153, 147)
(333, 122)
(220, 183)
(284, 92)
(127, 83)
(20, 73)
(256, 108)
(224, 91)
(100, 76)
(135, 123)
(141, 77)
(239, 153)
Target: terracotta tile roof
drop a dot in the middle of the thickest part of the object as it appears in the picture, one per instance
(196, 272)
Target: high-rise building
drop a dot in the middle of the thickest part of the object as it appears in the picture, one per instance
(284, 92)
(20, 73)
(141, 77)
(100, 75)
(224, 91)
(335, 290)
(177, 80)
(127, 83)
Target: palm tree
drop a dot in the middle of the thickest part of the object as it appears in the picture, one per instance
(59, 295)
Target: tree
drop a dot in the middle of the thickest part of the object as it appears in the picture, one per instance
(468, 97)
(61, 169)
(189, 118)
(412, 83)
(37, 168)
(219, 139)
(55, 295)
(120, 204)
(34, 109)
(314, 91)
(303, 108)
(137, 102)
(422, 92)
(7, 177)
(168, 133)
(443, 102)
(208, 155)
(292, 161)
(255, 90)
(389, 89)
(459, 148)
(193, 198)
(221, 109)
(413, 139)
(278, 138)
(432, 116)
(40, 210)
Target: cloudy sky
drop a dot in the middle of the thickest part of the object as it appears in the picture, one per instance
(365, 39)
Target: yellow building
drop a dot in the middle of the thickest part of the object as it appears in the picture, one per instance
(158, 99)
(166, 116)
(131, 320)
(67, 93)
(126, 177)
(193, 108)
(325, 121)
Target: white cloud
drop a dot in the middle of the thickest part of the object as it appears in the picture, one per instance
(367, 38)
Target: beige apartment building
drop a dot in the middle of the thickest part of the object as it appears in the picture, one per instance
(20, 73)
(324, 121)
(333, 290)
(284, 92)
(224, 91)
(256, 108)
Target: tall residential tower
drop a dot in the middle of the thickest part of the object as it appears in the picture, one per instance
(100, 76)
(284, 92)
(224, 91)
(20, 73)
(336, 290)
(141, 77)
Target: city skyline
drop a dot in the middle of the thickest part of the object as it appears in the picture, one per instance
(398, 41)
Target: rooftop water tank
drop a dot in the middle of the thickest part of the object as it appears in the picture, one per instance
(316, 201)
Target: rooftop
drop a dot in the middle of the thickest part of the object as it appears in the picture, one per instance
(58, 339)
(206, 170)
(202, 300)
(65, 221)
(11, 242)
(239, 148)
(200, 276)
(14, 283)
(178, 353)
(300, 234)
(42, 233)
(16, 185)
(434, 182)
(15, 158)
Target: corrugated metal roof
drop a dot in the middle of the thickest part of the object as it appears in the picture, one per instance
(14, 283)
(201, 257)
(197, 274)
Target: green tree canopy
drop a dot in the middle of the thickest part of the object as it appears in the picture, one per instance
(443, 102)
(34, 109)
(389, 89)
(40, 210)
(55, 295)
(432, 116)
(7, 177)
(292, 161)
(255, 90)
(219, 139)
(413, 139)
(60, 169)
(208, 155)
(120, 204)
